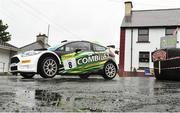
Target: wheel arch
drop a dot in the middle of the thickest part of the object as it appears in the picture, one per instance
(45, 55)
(110, 60)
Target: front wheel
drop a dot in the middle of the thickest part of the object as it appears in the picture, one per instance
(110, 70)
(48, 67)
(27, 75)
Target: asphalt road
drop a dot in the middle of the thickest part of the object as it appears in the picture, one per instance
(60, 94)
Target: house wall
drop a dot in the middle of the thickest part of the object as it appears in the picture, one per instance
(154, 37)
(178, 38)
(4, 59)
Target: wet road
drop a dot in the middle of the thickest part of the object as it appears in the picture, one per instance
(130, 94)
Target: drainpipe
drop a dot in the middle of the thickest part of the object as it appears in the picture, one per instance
(3, 67)
(131, 48)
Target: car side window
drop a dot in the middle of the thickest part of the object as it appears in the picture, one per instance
(60, 48)
(84, 46)
(98, 47)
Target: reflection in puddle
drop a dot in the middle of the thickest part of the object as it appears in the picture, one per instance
(166, 87)
(25, 97)
(48, 98)
(43, 98)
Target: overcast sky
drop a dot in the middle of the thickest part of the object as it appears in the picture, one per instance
(93, 20)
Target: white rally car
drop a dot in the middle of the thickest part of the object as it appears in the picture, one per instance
(81, 58)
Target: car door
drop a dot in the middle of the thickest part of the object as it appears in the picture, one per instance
(102, 55)
(75, 57)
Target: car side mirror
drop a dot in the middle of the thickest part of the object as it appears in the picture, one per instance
(111, 46)
(117, 52)
(77, 50)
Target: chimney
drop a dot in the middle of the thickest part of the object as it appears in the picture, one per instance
(43, 38)
(128, 10)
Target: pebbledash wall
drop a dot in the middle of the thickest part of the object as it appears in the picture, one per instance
(154, 43)
(4, 60)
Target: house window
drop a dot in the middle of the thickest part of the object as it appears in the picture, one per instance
(143, 35)
(170, 31)
(144, 60)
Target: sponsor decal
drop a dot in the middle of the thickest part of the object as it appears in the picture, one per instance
(168, 42)
(71, 61)
(159, 55)
(92, 58)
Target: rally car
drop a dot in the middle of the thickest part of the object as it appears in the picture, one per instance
(81, 58)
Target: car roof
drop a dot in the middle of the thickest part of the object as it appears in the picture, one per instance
(68, 42)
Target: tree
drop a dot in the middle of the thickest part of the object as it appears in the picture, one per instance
(4, 35)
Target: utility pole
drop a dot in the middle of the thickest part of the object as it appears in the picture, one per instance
(48, 30)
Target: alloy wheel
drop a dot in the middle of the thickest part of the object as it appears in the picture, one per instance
(50, 67)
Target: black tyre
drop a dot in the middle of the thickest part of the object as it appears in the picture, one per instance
(48, 67)
(14, 73)
(27, 75)
(110, 70)
(84, 76)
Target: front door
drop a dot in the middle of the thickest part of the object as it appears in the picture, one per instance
(75, 58)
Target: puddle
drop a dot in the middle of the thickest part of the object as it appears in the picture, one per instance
(162, 88)
(47, 98)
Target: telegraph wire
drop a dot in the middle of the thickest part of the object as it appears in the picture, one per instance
(140, 3)
(27, 11)
(34, 14)
(43, 15)
(37, 16)
(7, 15)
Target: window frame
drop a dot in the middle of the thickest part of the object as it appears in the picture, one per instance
(148, 62)
(93, 44)
(58, 49)
(78, 42)
(147, 41)
(168, 28)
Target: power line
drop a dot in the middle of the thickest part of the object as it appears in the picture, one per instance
(27, 11)
(34, 15)
(141, 3)
(7, 15)
(45, 16)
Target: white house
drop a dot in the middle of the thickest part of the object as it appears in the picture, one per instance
(6, 52)
(40, 43)
(141, 32)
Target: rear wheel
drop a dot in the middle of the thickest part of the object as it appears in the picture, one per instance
(48, 67)
(110, 70)
(84, 76)
(27, 75)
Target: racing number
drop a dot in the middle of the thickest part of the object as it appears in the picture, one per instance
(70, 64)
